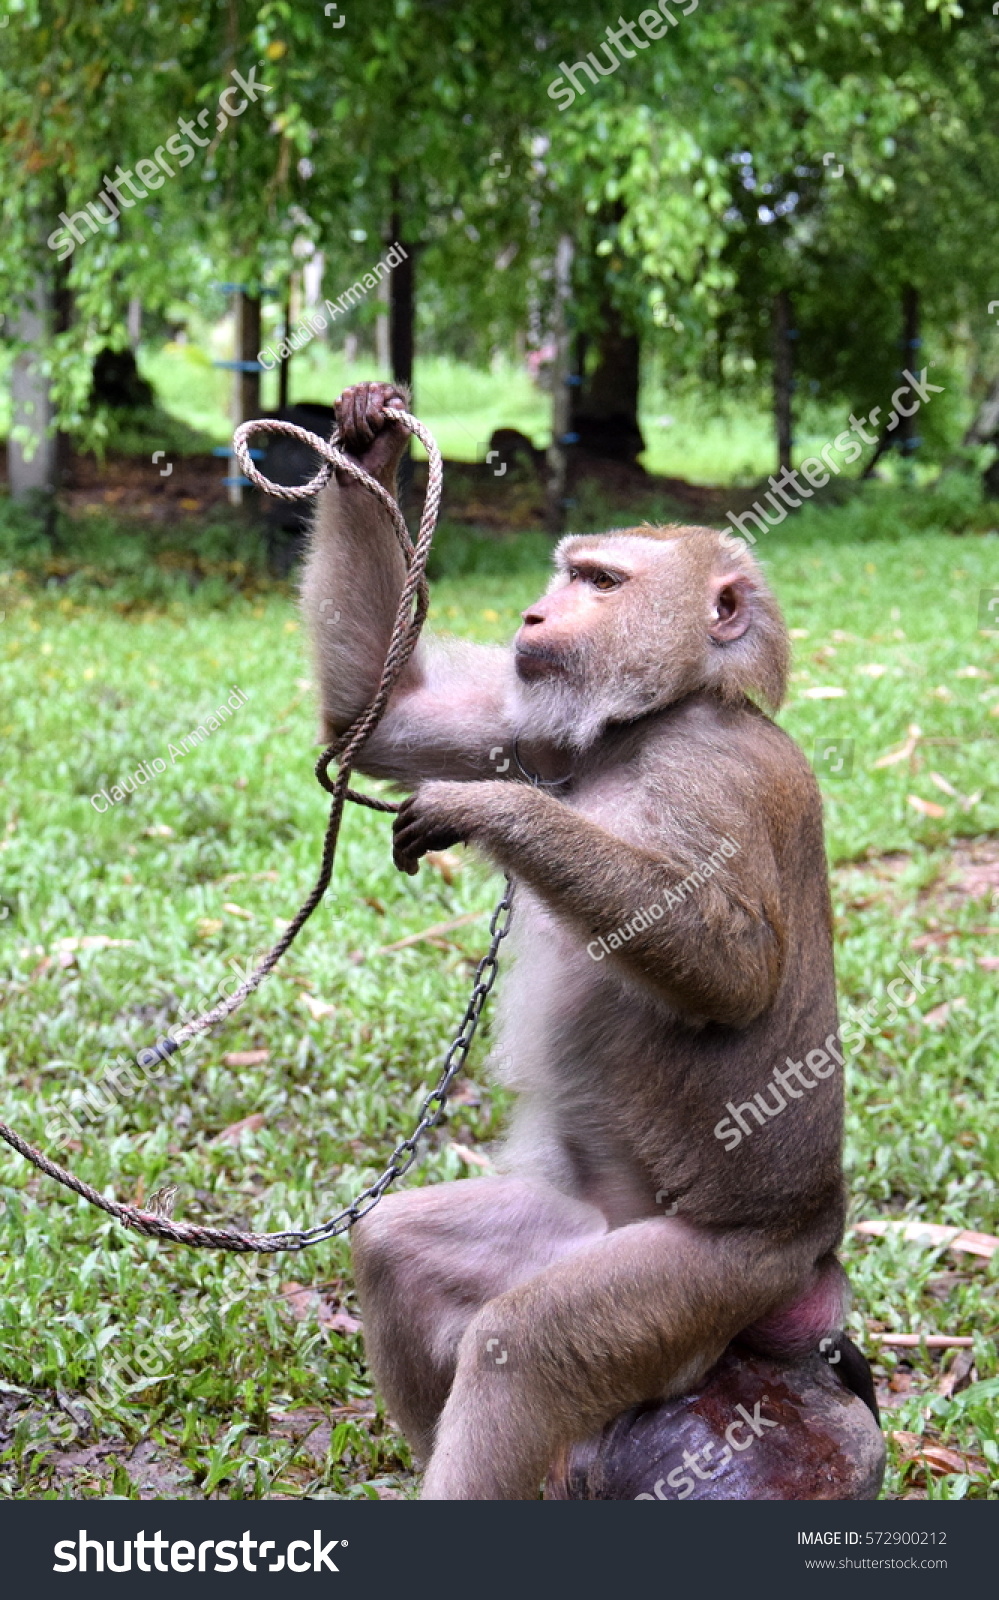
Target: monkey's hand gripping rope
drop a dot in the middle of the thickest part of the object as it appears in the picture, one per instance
(409, 620)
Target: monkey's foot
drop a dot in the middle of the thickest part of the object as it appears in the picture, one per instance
(756, 1429)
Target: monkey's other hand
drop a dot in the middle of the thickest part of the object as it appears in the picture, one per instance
(367, 430)
(434, 818)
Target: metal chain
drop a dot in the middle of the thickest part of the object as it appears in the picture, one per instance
(432, 1109)
(412, 610)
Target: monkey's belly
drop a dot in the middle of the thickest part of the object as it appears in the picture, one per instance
(756, 1429)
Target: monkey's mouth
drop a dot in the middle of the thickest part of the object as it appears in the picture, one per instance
(537, 661)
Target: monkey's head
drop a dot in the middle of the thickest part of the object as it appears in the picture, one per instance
(636, 620)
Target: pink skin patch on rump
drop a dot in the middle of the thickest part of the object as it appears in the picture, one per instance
(797, 1328)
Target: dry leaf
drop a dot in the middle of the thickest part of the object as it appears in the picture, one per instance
(905, 751)
(933, 1235)
(472, 1158)
(826, 692)
(798, 633)
(970, 672)
(246, 1058)
(207, 927)
(958, 1376)
(91, 941)
(237, 911)
(318, 1009)
(873, 669)
(159, 830)
(940, 1015)
(235, 1131)
(926, 808)
(988, 963)
(304, 1302)
(445, 862)
(942, 784)
(941, 1461)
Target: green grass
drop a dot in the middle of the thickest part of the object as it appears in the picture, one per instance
(209, 1358)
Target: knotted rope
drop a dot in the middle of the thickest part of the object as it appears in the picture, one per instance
(410, 616)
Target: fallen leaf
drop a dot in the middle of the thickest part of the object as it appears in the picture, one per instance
(959, 1375)
(304, 1302)
(942, 784)
(375, 904)
(91, 941)
(933, 1235)
(445, 862)
(873, 669)
(207, 927)
(246, 1058)
(905, 751)
(988, 963)
(926, 808)
(471, 1158)
(160, 830)
(941, 1461)
(798, 633)
(318, 1009)
(970, 672)
(235, 1131)
(825, 692)
(237, 911)
(940, 1015)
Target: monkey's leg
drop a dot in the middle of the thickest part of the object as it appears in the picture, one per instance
(640, 1313)
(426, 1260)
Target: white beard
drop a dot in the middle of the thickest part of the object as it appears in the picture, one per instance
(554, 711)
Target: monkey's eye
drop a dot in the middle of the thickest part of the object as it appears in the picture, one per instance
(605, 581)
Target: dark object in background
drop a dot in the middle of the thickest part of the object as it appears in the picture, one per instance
(511, 451)
(291, 462)
(118, 383)
(756, 1429)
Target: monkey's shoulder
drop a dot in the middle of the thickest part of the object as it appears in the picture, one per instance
(735, 745)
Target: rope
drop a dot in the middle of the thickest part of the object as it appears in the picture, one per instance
(410, 616)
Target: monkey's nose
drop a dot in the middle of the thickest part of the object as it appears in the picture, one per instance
(532, 615)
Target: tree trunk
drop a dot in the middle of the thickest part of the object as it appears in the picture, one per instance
(908, 440)
(402, 312)
(248, 340)
(557, 458)
(31, 465)
(783, 333)
(285, 361)
(605, 404)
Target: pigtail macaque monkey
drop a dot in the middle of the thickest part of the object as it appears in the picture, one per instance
(632, 1236)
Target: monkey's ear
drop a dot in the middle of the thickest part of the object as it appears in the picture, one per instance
(731, 607)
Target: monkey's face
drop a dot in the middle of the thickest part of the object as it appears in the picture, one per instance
(633, 622)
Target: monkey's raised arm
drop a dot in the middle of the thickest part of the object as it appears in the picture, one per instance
(716, 952)
(448, 710)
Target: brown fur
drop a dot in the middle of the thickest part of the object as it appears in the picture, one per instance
(602, 1294)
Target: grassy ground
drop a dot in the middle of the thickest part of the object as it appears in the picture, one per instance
(137, 1369)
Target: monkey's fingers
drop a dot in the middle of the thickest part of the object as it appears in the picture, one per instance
(414, 835)
(361, 413)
